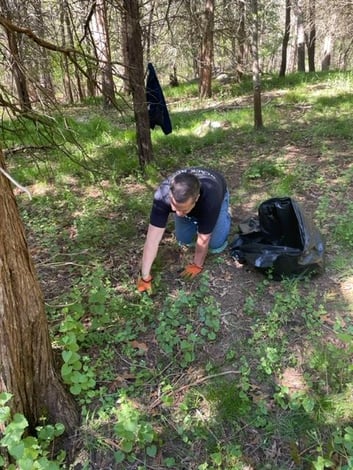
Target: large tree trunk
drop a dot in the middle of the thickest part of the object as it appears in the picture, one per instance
(206, 56)
(136, 80)
(26, 360)
(285, 41)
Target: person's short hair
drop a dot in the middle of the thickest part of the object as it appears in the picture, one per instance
(185, 186)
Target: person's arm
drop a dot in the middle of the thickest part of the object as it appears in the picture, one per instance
(201, 248)
(153, 238)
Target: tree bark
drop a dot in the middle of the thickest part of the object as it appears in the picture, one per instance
(14, 57)
(71, 41)
(258, 123)
(124, 53)
(136, 81)
(206, 56)
(285, 41)
(26, 361)
(311, 43)
(100, 34)
(63, 58)
(300, 39)
(194, 33)
(241, 37)
(326, 60)
(41, 61)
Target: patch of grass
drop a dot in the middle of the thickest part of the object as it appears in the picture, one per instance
(343, 231)
(337, 127)
(296, 97)
(262, 170)
(231, 401)
(343, 263)
(185, 90)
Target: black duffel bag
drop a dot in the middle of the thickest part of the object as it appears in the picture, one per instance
(281, 240)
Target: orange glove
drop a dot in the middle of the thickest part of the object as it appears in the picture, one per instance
(144, 285)
(191, 271)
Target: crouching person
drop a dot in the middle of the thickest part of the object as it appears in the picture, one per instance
(199, 200)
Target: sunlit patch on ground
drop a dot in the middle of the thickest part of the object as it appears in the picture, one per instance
(347, 290)
(293, 379)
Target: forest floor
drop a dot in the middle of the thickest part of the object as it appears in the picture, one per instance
(232, 284)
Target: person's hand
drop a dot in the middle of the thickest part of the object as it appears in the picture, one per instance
(144, 285)
(191, 270)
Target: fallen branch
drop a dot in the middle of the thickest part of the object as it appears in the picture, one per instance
(24, 148)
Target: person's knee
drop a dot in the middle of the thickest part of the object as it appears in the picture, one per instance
(219, 240)
(219, 237)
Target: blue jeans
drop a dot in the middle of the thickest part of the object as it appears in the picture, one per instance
(186, 227)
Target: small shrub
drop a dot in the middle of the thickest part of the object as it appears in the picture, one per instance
(28, 452)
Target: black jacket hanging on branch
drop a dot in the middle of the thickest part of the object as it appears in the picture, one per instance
(157, 108)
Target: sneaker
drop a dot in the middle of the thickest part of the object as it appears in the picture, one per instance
(220, 249)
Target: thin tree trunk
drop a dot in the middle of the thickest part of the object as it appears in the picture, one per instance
(63, 58)
(345, 55)
(70, 36)
(124, 51)
(285, 41)
(311, 36)
(206, 56)
(149, 30)
(100, 35)
(26, 360)
(42, 57)
(241, 38)
(17, 72)
(194, 33)
(258, 124)
(16, 66)
(137, 85)
(300, 39)
(326, 61)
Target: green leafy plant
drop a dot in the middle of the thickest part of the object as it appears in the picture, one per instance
(75, 371)
(28, 452)
(343, 444)
(133, 432)
(187, 321)
(258, 170)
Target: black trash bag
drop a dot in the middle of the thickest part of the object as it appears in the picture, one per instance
(284, 241)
